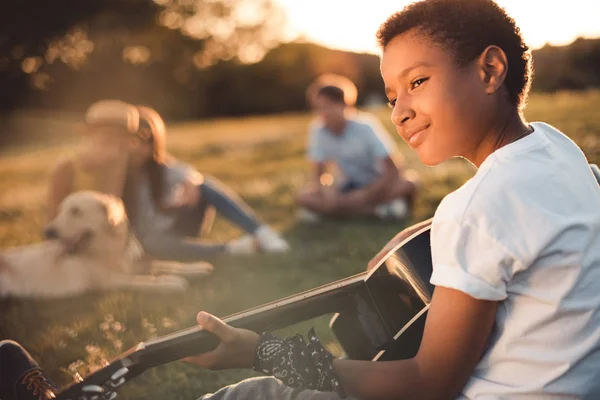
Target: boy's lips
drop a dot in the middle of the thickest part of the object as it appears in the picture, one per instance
(414, 137)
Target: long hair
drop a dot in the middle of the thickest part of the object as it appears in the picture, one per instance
(151, 130)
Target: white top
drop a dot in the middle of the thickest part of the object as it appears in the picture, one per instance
(524, 231)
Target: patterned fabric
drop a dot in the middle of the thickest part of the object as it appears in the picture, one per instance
(296, 363)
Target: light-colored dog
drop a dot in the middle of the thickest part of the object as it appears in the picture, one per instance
(90, 247)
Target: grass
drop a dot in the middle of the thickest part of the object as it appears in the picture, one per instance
(262, 158)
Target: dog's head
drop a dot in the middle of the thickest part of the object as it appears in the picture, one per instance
(90, 222)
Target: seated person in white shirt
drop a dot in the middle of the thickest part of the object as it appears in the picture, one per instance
(372, 183)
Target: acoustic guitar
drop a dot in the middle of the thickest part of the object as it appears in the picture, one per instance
(378, 315)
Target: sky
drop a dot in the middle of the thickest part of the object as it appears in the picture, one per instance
(351, 24)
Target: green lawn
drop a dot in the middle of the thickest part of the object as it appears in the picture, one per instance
(263, 159)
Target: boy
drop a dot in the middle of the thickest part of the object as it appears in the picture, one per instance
(371, 182)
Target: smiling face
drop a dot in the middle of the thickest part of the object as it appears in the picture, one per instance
(440, 109)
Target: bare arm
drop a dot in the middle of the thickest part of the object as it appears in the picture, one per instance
(456, 331)
(61, 185)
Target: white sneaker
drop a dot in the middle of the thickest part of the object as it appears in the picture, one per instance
(271, 241)
(305, 215)
(396, 209)
(247, 244)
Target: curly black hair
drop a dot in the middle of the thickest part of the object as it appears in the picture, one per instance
(466, 28)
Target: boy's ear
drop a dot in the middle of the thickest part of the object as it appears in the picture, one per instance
(493, 67)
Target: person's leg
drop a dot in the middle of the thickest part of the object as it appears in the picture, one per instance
(172, 247)
(342, 201)
(320, 200)
(348, 201)
(232, 207)
(229, 204)
(405, 187)
(215, 196)
(398, 201)
(208, 221)
(267, 388)
(393, 201)
(194, 221)
(353, 204)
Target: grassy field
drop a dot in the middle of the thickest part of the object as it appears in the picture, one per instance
(263, 159)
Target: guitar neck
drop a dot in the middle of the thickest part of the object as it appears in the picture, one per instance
(313, 303)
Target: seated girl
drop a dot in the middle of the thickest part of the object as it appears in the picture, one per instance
(168, 202)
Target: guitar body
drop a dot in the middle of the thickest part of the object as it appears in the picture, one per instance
(378, 315)
(387, 322)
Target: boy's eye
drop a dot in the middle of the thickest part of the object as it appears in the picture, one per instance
(391, 103)
(418, 82)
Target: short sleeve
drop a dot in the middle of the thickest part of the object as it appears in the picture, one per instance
(316, 152)
(467, 259)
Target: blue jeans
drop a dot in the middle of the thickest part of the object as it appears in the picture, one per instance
(180, 243)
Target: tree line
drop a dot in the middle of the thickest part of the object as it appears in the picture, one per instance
(197, 59)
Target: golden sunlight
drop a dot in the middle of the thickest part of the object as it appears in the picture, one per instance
(352, 25)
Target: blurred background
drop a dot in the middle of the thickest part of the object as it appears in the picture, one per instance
(230, 78)
(204, 58)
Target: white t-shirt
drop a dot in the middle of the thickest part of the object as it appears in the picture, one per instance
(525, 231)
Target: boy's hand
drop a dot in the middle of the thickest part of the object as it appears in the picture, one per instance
(236, 349)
